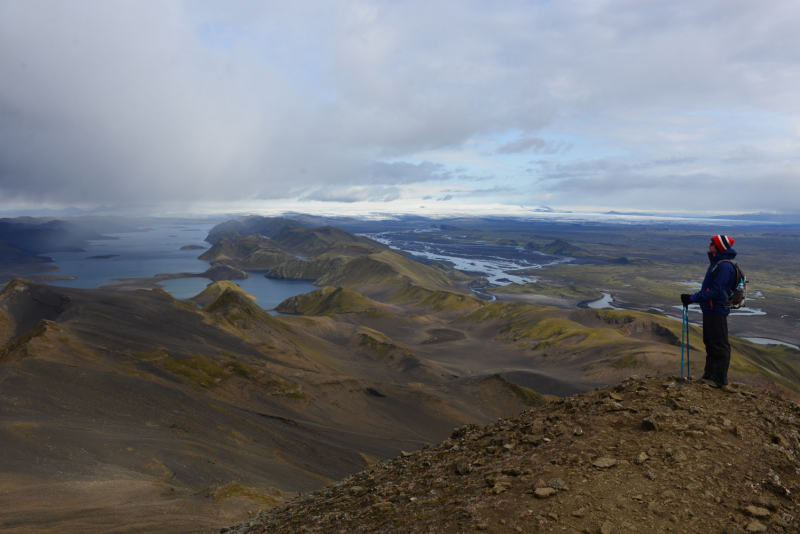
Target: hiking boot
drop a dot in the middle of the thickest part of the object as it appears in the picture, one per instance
(708, 382)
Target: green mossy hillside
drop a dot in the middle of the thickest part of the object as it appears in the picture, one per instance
(330, 301)
(215, 290)
(233, 308)
(526, 395)
(559, 247)
(251, 225)
(197, 369)
(438, 300)
(249, 252)
(380, 345)
(308, 269)
(315, 241)
(626, 338)
(388, 269)
(536, 288)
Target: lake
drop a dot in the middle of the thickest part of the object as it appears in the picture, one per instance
(157, 251)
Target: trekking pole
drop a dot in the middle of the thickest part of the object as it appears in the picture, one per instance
(683, 341)
(688, 366)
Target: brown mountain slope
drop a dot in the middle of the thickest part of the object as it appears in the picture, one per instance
(135, 412)
(644, 457)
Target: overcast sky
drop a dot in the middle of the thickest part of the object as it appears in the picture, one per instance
(679, 106)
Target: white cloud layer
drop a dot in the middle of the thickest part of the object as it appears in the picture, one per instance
(627, 104)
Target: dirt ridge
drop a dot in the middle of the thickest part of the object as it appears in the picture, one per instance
(646, 455)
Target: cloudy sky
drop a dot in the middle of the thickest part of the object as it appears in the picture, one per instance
(679, 106)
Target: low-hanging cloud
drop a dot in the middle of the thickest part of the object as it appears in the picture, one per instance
(144, 102)
(377, 193)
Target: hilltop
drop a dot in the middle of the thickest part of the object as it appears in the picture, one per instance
(251, 225)
(646, 456)
(246, 252)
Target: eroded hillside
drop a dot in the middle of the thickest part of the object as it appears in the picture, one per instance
(139, 402)
(646, 456)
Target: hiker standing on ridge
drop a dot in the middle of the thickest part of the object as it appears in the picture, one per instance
(717, 285)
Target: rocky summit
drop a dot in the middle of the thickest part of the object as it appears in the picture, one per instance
(647, 455)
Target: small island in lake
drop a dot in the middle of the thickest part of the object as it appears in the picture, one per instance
(192, 247)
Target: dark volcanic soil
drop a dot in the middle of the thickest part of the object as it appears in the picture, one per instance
(443, 335)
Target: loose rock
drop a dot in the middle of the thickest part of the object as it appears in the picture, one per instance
(604, 463)
(544, 493)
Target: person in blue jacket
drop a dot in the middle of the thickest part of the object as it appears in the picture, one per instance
(717, 285)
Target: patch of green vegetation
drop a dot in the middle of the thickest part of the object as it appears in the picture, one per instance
(251, 252)
(496, 310)
(40, 330)
(329, 301)
(279, 386)
(234, 489)
(526, 395)
(629, 362)
(198, 369)
(559, 247)
(233, 309)
(241, 369)
(380, 344)
(385, 268)
(160, 353)
(449, 300)
(620, 317)
(218, 288)
(773, 364)
(314, 241)
(536, 288)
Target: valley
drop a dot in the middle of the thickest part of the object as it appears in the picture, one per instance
(183, 415)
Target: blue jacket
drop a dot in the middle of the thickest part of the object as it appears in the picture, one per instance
(717, 285)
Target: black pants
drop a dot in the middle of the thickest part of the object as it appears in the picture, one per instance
(718, 350)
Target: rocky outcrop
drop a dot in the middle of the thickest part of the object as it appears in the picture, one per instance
(644, 456)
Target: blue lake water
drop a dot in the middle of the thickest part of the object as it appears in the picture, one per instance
(157, 251)
(269, 291)
(139, 255)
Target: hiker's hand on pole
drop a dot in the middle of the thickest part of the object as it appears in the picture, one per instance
(686, 299)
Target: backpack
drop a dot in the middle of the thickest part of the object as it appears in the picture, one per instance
(738, 294)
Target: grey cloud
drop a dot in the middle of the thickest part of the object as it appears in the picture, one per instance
(404, 173)
(446, 197)
(605, 182)
(536, 145)
(127, 102)
(742, 153)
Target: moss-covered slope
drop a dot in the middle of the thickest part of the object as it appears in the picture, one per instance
(215, 290)
(251, 225)
(331, 301)
(388, 269)
(308, 269)
(314, 241)
(247, 253)
(536, 288)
